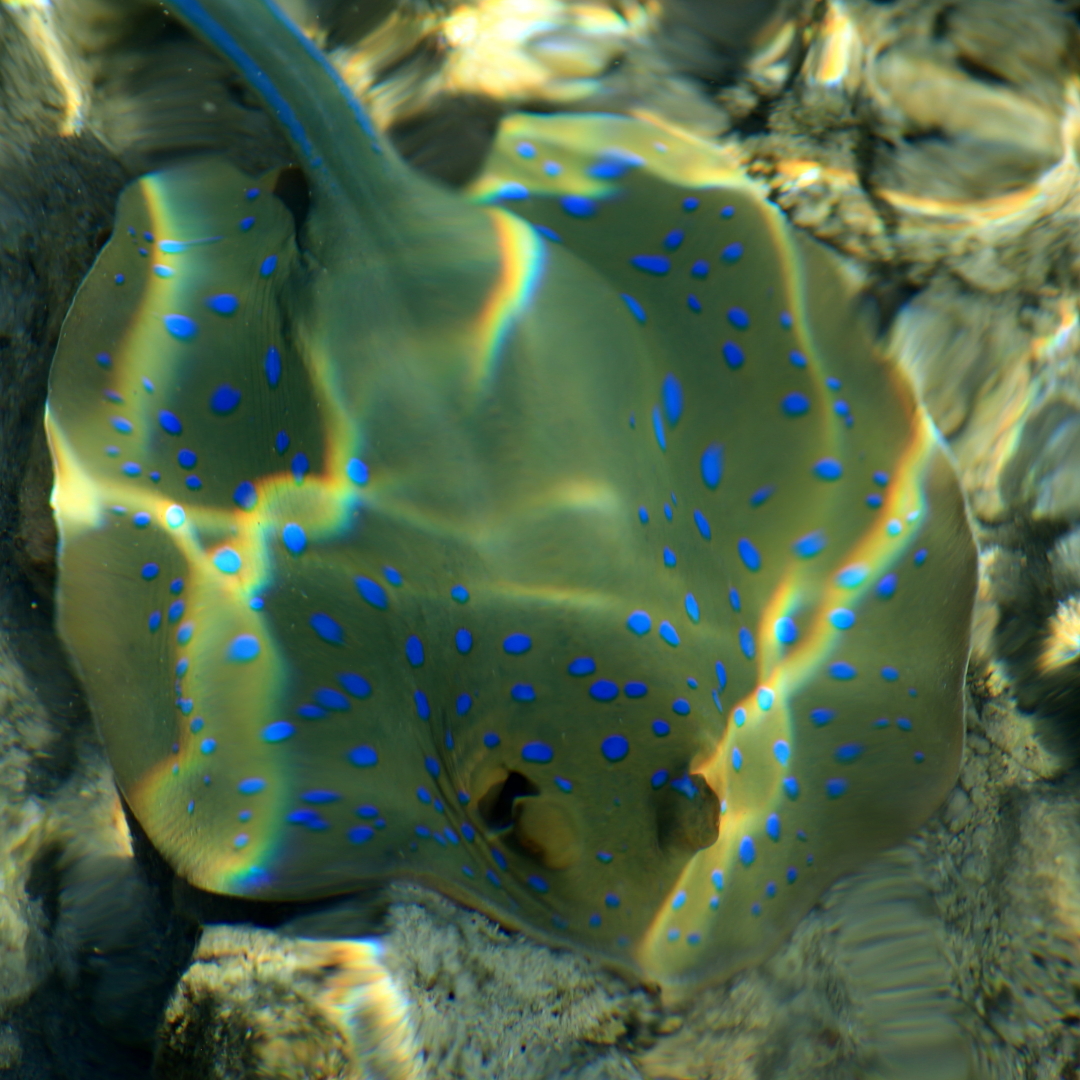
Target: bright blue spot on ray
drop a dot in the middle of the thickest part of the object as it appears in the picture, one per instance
(459, 593)
(886, 586)
(791, 787)
(537, 752)
(639, 622)
(734, 600)
(692, 608)
(672, 395)
(881, 478)
(920, 557)
(635, 308)
(272, 365)
(357, 471)
(227, 561)
(810, 545)
(651, 264)
(660, 777)
(702, 524)
(223, 304)
(746, 851)
(187, 459)
(721, 675)
(732, 253)
(522, 692)
(836, 787)
(667, 511)
(797, 359)
(712, 465)
(848, 752)
(674, 239)
(733, 354)
(851, 576)
(294, 538)
(604, 690)
(526, 150)
(669, 634)
(746, 643)
(661, 728)
(681, 706)
(319, 797)
(669, 557)
(615, 747)
(363, 757)
(149, 571)
(890, 674)
(643, 515)
(738, 318)
(491, 740)
(782, 751)
(693, 303)
(281, 442)
(842, 671)
(327, 628)
(170, 422)
(360, 834)
(820, 717)
(635, 689)
(423, 709)
(828, 469)
(463, 704)
(373, 593)
(244, 496)
(516, 644)
(772, 827)
(749, 555)
(181, 327)
(700, 269)
(795, 405)
(578, 206)
(583, 665)
(268, 264)
(787, 633)
(548, 233)
(842, 619)
(463, 641)
(658, 428)
(414, 651)
(356, 685)
(251, 786)
(393, 576)
(765, 698)
(278, 731)
(513, 192)
(690, 203)
(224, 400)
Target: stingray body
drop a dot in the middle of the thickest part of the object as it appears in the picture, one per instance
(567, 548)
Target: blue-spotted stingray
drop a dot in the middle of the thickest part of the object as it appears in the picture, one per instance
(565, 546)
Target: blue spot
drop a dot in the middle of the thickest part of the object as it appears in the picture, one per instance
(149, 571)
(357, 472)
(537, 752)
(245, 224)
(782, 751)
(635, 308)
(604, 690)
(886, 586)
(522, 692)
(459, 593)
(281, 442)
(294, 538)
(842, 619)
(516, 644)
(635, 689)
(538, 883)
(673, 399)
(223, 304)
(227, 561)
(319, 797)
(712, 465)
(267, 266)
(669, 557)
(851, 576)
(681, 706)
(873, 501)
(251, 786)
(828, 469)
(193, 482)
(651, 264)
(772, 827)
(170, 422)
(373, 593)
(821, 717)
(272, 365)
(903, 723)
(787, 633)
(278, 732)
(674, 239)
(181, 327)
(746, 643)
(423, 709)
(690, 203)
(583, 665)
(393, 576)
(611, 900)
(795, 405)
(746, 851)
(414, 651)
(702, 524)
(639, 623)
(463, 704)
(615, 747)
(721, 675)
(843, 671)
(833, 383)
(363, 757)
(920, 557)
(659, 778)
(513, 192)
(791, 787)
(563, 784)
(667, 511)
(244, 496)
(700, 269)
(526, 150)
(331, 699)
(661, 728)
(578, 206)
(733, 354)
(360, 834)
(432, 766)
(810, 545)
(119, 279)
(356, 685)
(187, 459)
(749, 555)
(732, 253)
(693, 303)
(224, 400)
(463, 641)
(491, 740)
(669, 634)
(122, 425)
(548, 233)
(835, 787)
(692, 608)
(848, 752)
(797, 359)
(890, 674)
(738, 318)
(658, 428)
(327, 628)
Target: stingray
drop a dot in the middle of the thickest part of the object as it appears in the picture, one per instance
(566, 545)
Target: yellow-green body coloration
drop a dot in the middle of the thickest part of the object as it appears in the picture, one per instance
(584, 562)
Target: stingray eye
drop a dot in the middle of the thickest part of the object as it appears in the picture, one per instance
(687, 815)
(496, 805)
